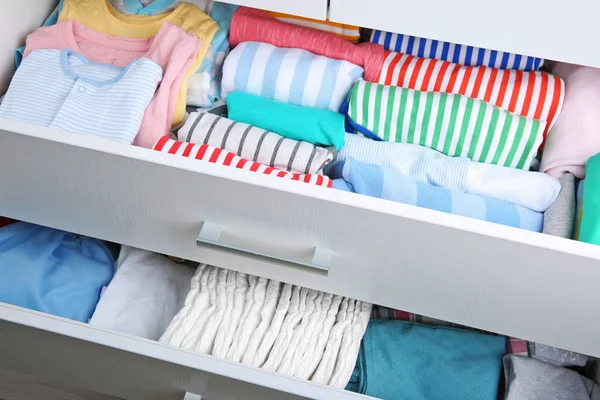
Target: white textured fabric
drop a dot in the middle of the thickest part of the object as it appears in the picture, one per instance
(236, 302)
(207, 339)
(199, 323)
(145, 294)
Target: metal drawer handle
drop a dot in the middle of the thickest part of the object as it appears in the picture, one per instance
(192, 396)
(210, 233)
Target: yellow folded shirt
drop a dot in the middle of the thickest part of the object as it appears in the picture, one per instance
(102, 17)
(348, 32)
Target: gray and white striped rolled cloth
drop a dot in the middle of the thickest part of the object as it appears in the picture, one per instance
(255, 144)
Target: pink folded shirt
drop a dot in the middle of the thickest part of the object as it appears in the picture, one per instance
(172, 49)
(251, 25)
(576, 135)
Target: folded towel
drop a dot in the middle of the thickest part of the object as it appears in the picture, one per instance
(255, 144)
(574, 138)
(319, 127)
(536, 95)
(533, 190)
(456, 53)
(453, 124)
(251, 25)
(348, 32)
(216, 155)
(288, 75)
(386, 183)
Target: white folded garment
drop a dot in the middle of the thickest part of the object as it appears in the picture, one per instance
(235, 306)
(145, 293)
(207, 339)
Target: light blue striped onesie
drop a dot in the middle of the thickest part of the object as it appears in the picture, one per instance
(62, 89)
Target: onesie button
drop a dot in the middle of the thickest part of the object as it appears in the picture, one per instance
(81, 89)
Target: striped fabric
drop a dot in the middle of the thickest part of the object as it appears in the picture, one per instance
(255, 144)
(219, 156)
(288, 75)
(453, 124)
(536, 95)
(58, 88)
(513, 345)
(456, 53)
(386, 183)
(348, 32)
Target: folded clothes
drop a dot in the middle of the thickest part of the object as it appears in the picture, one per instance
(219, 156)
(579, 209)
(252, 25)
(146, 292)
(313, 125)
(255, 144)
(288, 75)
(386, 183)
(456, 53)
(453, 124)
(52, 271)
(560, 217)
(536, 95)
(402, 360)
(533, 190)
(589, 228)
(348, 32)
(153, 7)
(574, 138)
(530, 379)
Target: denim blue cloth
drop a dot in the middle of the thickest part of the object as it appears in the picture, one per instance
(386, 183)
(401, 360)
(52, 271)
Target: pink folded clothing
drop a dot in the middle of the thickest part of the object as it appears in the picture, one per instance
(172, 49)
(219, 156)
(576, 135)
(251, 25)
(534, 94)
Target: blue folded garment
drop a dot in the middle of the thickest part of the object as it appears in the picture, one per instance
(52, 271)
(401, 360)
(386, 183)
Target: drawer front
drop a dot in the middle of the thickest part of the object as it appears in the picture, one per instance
(469, 272)
(75, 354)
(316, 9)
(552, 29)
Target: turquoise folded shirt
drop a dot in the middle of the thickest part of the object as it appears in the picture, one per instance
(313, 125)
(402, 360)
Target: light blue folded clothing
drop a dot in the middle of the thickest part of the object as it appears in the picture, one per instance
(533, 190)
(386, 183)
(52, 271)
(402, 360)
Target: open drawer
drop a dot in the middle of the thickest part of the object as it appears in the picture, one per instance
(483, 275)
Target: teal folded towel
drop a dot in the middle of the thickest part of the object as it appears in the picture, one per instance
(313, 125)
(403, 360)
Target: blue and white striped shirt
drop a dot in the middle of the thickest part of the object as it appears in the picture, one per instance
(456, 53)
(62, 89)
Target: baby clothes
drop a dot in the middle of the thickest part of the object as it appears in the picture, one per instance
(145, 294)
(102, 17)
(152, 7)
(456, 53)
(534, 190)
(58, 88)
(172, 49)
(574, 138)
(386, 183)
(255, 144)
(536, 95)
(348, 32)
(223, 157)
(288, 75)
(453, 124)
(52, 271)
(589, 228)
(560, 217)
(313, 125)
(251, 25)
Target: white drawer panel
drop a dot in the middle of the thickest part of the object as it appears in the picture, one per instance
(316, 9)
(550, 29)
(119, 365)
(470, 272)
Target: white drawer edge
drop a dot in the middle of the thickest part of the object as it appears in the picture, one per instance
(302, 189)
(172, 354)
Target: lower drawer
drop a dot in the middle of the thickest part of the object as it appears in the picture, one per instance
(77, 354)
